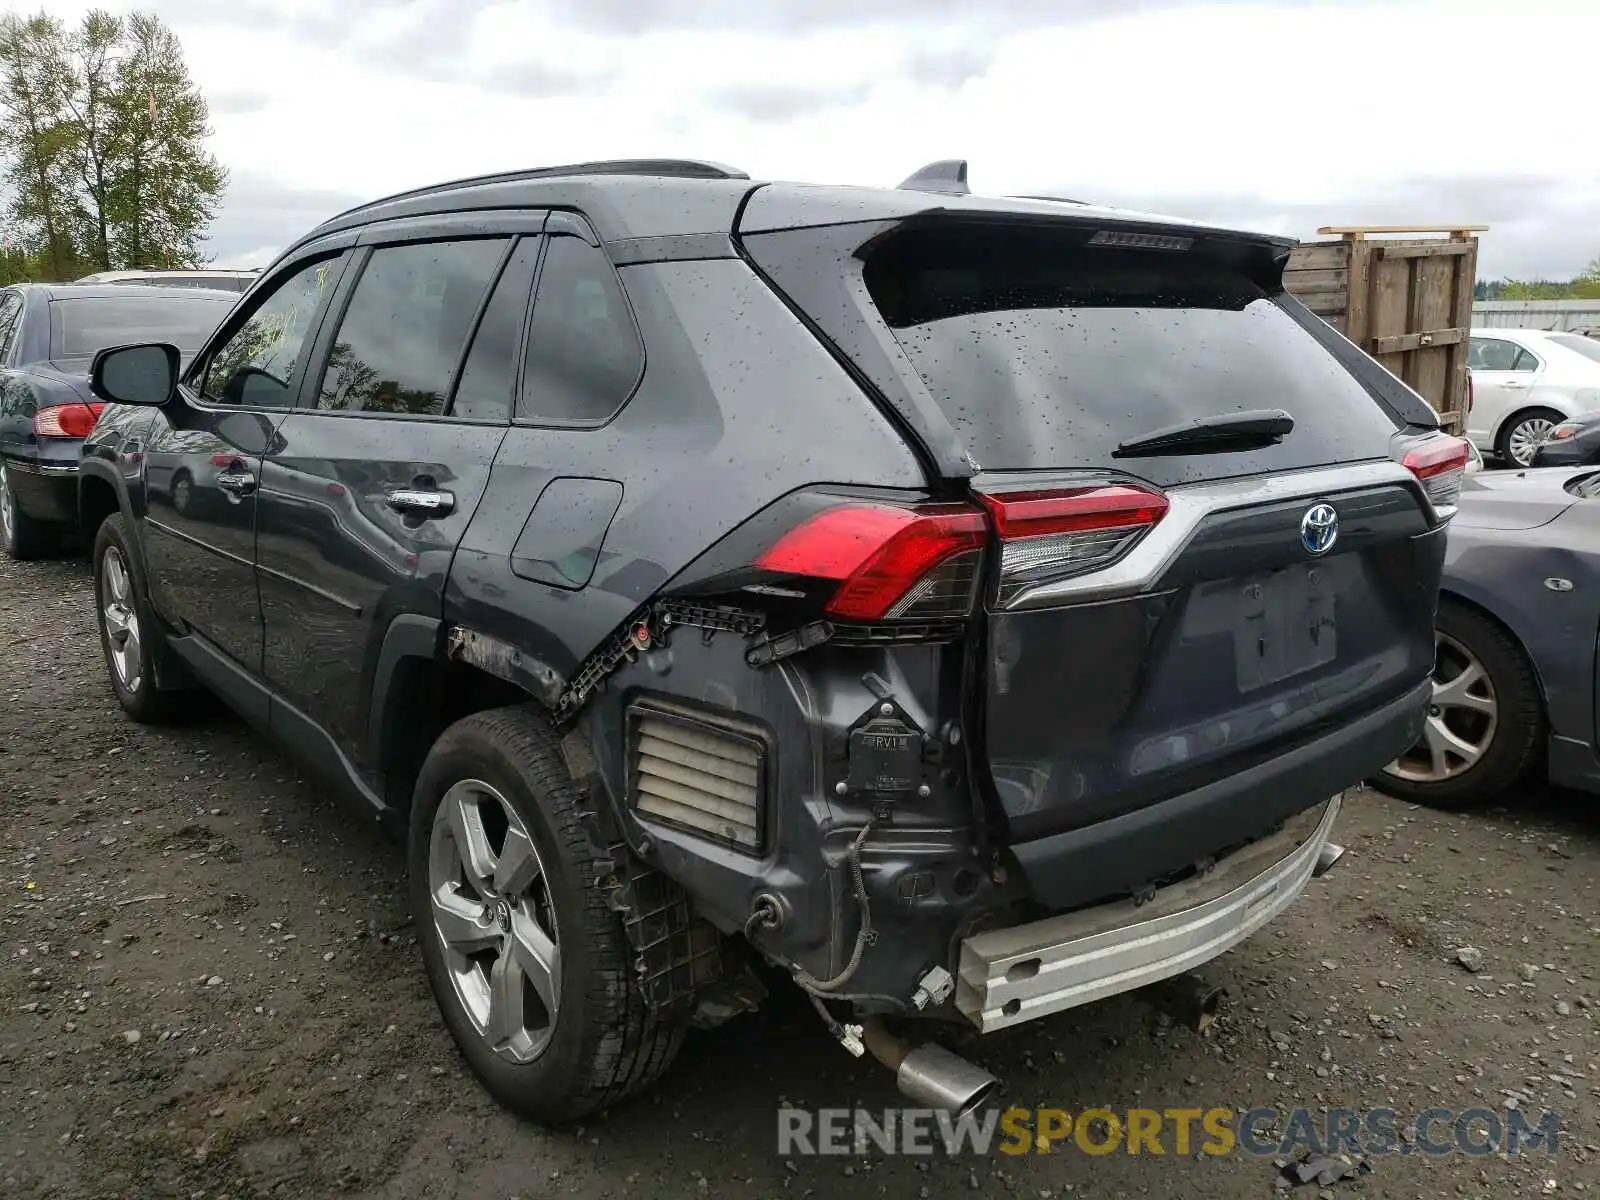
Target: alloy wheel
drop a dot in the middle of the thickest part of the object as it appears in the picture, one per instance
(1461, 721)
(121, 619)
(1525, 438)
(493, 917)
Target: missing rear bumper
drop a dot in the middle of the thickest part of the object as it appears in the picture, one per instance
(1009, 976)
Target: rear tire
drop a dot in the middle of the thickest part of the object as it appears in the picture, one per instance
(1515, 443)
(1508, 737)
(25, 538)
(598, 1044)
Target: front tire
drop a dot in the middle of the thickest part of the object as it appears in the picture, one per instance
(1486, 723)
(1521, 435)
(128, 628)
(529, 967)
(24, 537)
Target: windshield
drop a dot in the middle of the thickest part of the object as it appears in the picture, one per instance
(83, 326)
(1588, 347)
(1045, 354)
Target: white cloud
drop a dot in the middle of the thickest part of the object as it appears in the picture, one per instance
(1293, 114)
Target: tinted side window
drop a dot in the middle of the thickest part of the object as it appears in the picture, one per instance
(407, 323)
(490, 377)
(584, 354)
(1526, 360)
(257, 366)
(1491, 354)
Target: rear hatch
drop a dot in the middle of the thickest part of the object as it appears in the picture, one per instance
(1164, 610)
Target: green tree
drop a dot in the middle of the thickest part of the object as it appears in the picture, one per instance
(164, 192)
(102, 151)
(1584, 286)
(36, 147)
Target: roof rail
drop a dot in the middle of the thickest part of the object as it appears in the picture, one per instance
(948, 177)
(667, 168)
(1055, 200)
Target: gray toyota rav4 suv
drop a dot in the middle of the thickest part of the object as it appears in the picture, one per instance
(967, 607)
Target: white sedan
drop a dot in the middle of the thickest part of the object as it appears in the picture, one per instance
(1524, 381)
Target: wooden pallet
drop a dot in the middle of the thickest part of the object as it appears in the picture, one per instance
(1405, 300)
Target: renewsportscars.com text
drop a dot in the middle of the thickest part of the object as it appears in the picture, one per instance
(1260, 1132)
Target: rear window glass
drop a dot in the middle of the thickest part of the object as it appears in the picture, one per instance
(1586, 346)
(1044, 353)
(83, 327)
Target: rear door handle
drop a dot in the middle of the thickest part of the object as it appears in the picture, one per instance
(236, 481)
(421, 502)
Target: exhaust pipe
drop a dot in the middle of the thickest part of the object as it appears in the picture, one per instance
(1330, 854)
(1189, 999)
(929, 1075)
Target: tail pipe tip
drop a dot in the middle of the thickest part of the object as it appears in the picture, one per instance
(1327, 857)
(930, 1075)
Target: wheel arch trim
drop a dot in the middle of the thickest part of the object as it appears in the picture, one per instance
(1475, 600)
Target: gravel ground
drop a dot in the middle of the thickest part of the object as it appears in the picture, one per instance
(210, 989)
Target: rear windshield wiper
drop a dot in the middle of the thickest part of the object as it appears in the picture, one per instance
(1217, 434)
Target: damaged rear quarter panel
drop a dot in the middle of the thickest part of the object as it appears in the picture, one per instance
(725, 420)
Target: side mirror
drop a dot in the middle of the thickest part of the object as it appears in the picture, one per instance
(146, 375)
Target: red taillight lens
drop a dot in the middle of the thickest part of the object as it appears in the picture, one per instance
(1052, 534)
(891, 563)
(66, 420)
(1440, 463)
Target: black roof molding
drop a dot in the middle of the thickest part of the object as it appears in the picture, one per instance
(947, 177)
(666, 168)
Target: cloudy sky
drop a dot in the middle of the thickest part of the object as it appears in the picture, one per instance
(1272, 114)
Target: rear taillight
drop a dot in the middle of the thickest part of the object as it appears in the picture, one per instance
(1440, 464)
(1047, 535)
(66, 420)
(891, 563)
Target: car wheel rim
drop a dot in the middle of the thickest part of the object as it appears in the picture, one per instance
(492, 914)
(1461, 721)
(8, 514)
(125, 646)
(1526, 437)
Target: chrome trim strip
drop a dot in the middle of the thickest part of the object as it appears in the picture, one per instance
(1010, 976)
(49, 469)
(1144, 565)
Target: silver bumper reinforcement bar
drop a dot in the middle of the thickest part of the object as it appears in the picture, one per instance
(1009, 976)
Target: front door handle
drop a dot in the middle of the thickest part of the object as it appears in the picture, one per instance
(236, 481)
(420, 502)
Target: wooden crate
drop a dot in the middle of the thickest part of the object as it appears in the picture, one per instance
(1405, 300)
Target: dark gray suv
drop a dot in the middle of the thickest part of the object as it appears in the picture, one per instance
(971, 607)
